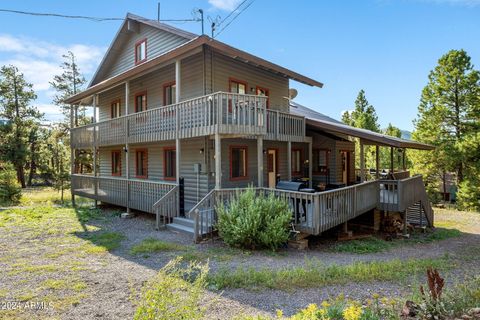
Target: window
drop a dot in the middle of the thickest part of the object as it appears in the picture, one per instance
(320, 161)
(141, 163)
(141, 51)
(116, 163)
(169, 93)
(141, 101)
(169, 169)
(238, 163)
(237, 86)
(265, 93)
(296, 161)
(115, 110)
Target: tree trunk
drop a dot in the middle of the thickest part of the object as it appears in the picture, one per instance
(21, 175)
(33, 165)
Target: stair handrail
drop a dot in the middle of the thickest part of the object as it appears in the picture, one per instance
(167, 206)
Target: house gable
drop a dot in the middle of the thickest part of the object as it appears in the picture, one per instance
(120, 56)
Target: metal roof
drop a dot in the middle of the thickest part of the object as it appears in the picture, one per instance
(319, 121)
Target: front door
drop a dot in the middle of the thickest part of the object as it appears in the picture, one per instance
(272, 168)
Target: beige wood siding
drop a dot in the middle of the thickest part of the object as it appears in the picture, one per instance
(122, 55)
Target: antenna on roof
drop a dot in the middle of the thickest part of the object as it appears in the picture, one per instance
(214, 23)
(158, 11)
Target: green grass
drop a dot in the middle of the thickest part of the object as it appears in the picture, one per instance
(152, 245)
(374, 244)
(316, 274)
(108, 240)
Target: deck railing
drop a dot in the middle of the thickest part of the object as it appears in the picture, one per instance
(134, 193)
(221, 112)
(167, 207)
(312, 213)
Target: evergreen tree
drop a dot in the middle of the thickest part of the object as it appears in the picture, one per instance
(15, 97)
(449, 119)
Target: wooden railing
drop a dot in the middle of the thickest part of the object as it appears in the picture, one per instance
(221, 112)
(134, 193)
(283, 126)
(312, 213)
(167, 207)
(398, 195)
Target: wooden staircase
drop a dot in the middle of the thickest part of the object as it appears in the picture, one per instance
(416, 215)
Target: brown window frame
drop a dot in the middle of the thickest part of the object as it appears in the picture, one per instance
(234, 80)
(297, 173)
(119, 153)
(166, 150)
(144, 163)
(245, 176)
(165, 87)
(137, 46)
(138, 94)
(113, 105)
(257, 88)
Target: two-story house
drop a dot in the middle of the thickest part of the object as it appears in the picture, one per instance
(181, 120)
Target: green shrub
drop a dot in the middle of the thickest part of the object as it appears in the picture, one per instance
(10, 190)
(254, 221)
(174, 293)
(468, 196)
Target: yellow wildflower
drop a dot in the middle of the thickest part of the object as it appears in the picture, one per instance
(376, 296)
(384, 300)
(312, 307)
(352, 313)
(325, 304)
(279, 314)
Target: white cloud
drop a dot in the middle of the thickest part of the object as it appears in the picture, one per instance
(51, 111)
(227, 5)
(40, 61)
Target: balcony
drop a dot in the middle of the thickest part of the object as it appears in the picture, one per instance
(223, 113)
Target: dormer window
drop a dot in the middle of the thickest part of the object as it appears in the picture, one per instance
(141, 51)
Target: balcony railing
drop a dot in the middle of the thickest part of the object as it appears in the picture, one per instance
(224, 113)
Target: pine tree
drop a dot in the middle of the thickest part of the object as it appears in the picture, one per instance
(15, 97)
(449, 118)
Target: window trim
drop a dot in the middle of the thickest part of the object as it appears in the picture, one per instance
(231, 79)
(327, 153)
(245, 177)
(267, 95)
(165, 149)
(119, 174)
(137, 45)
(297, 173)
(119, 109)
(141, 93)
(165, 86)
(146, 163)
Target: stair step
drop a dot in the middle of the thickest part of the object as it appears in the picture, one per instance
(180, 228)
(183, 221)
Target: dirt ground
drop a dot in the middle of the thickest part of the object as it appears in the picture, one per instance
(62, 260)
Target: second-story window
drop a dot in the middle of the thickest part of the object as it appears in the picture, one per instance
(237, 86)
(115, 110)
(141, 101)
(169, 93)
(141, 163)
(169, 170)
(141, 51)
(265, 93)
(296, 161)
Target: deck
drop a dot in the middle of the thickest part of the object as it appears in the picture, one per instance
(313, 213)
(221, 112)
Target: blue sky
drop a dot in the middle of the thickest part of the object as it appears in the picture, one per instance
(386, 47)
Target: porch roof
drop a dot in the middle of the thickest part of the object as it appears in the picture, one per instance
(184, 49)
(319, 121)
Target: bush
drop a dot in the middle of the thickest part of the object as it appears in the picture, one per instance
(468, 196)
(10, 190)
(254, 221)
(174, 293)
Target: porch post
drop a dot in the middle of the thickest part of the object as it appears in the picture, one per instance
(310, 165)
(177, 140)
(218, 162)
(289, 160)
(362, 162)
(404, 162)
(72, 155)
(391, 159)
(127, 150)
(260, 161)
(377, 162)
(95, 147)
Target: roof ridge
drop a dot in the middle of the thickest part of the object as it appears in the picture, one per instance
(161, 25)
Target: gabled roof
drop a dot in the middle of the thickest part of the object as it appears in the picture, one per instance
(121, 35)
(319, 121)
(192, 42)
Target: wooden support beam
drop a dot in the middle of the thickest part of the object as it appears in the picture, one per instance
(289, 160)
(377, 162)
(260, 160)
(310, 165)
(362, 161)
(95, 147)
(178, 84)
(404, 161)
(218, 161)
(72, 155)
(391, 159)
(127, 150)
